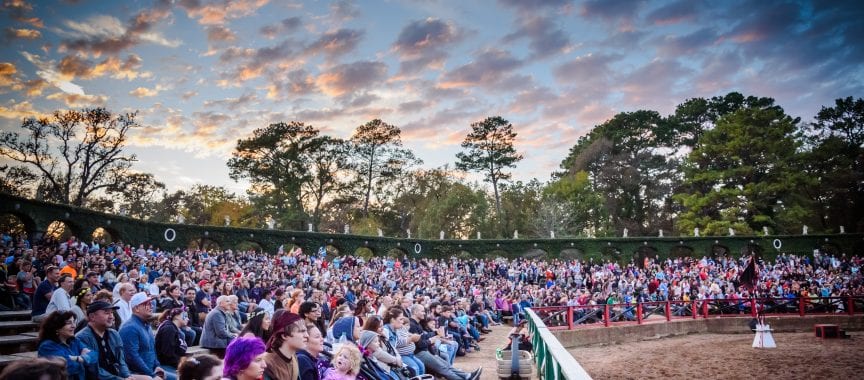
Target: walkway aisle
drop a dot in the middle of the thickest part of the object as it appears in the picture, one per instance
(486, 356)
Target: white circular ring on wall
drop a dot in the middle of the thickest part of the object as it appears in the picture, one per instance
(170, 232)
(417, 248)
(777, 244)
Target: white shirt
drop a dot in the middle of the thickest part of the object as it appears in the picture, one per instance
(267, 306)
(60, 301)
(125, 311)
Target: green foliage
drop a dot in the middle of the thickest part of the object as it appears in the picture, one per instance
(739, 171)
(489, 150)
(587, 216)
(459, 211)
(272, 159)
(378, 157)
(835, 161)
(626, 161)
(326, 161)
(138, 198)
(520, 203)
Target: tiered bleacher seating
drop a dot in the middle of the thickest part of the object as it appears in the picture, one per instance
(18, 337)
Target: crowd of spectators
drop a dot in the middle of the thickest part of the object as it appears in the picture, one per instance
(138, 309)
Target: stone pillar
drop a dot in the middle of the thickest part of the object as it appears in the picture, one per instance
(661, 233)
(310, 227)
(380, 233)
(441, 235)
(804, 230)
(347, 229)
(516, 234)
(625, 232)
(696, 232)
(765, 230)
(479, 235)
(409, 233)
(552, 234)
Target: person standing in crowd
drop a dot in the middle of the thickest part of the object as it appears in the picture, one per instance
(57, 339)
(200, 367)
(244, 359)
(139, 345)
(289, 337)
(216, 336)
(61, 300)
(170, 342)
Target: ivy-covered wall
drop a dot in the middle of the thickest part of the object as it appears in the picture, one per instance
(37, 215)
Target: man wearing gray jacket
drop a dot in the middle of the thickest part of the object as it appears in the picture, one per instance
(216, 336)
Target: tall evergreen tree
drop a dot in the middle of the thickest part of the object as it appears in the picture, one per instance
(490, 151)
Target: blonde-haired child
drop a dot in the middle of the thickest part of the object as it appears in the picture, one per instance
(346, 363)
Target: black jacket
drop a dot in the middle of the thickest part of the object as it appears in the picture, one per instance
(423, 344)
(170, 344)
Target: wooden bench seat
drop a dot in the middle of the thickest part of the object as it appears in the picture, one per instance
(17, 327)
(17, 315)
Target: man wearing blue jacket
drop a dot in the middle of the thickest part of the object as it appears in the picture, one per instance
(100, 338)
(138, 340)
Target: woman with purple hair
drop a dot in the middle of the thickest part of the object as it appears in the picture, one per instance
(244, 359)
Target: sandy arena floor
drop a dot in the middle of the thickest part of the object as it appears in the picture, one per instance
(727, 356)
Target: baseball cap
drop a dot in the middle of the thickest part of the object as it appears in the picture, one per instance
(202, 283)
(100, 305)
(139, 298)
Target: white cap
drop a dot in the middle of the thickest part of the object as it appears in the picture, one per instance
(138, 299)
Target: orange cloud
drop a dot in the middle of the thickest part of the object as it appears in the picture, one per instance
(77, 100)
(74, 66)
(7, 70)
(218, 13)
(18, 111)
(18, 10)
(143, 92)
(220, 33)
(347, 78)
(24, 34)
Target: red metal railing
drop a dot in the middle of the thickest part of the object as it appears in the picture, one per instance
(571, 317)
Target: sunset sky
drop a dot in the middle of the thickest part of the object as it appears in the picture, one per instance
(203, 74)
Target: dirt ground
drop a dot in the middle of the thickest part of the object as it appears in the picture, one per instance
(727, 356)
